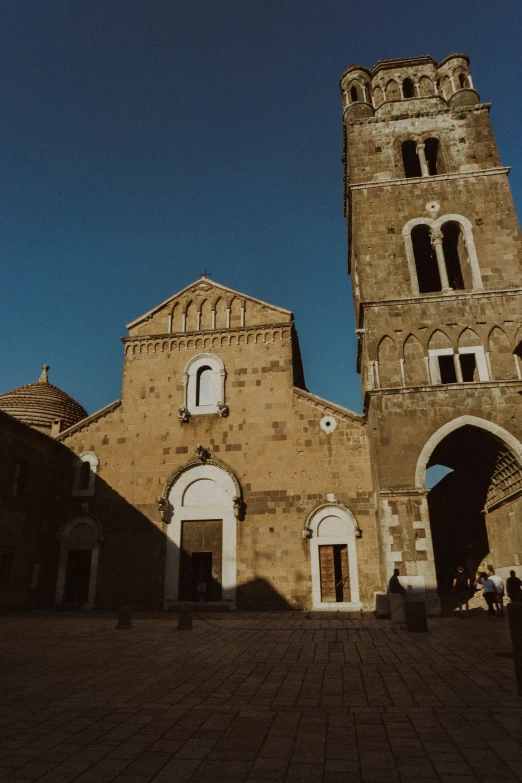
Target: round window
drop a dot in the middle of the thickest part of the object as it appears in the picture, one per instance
(328, 424)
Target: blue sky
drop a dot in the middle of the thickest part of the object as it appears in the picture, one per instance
(144, 141)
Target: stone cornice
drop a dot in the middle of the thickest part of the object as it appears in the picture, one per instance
(325, 405)
(406, 116)
(449, 297)
(430, 389)
(207, 337)
(433, 178)
(89, 420)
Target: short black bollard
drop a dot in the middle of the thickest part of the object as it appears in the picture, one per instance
(124, 617)
(415, 616)
(515, 629)
(184, 620)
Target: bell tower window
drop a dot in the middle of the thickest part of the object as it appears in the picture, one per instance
(452, 239)
(425, 260)
(431, 150)
(408, 88)
(353, 93)
(410, 159)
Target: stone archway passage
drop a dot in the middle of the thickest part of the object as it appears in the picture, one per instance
(476, 510)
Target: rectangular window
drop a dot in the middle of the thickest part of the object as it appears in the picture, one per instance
(447, 369)
(19, 478)
(468, 365)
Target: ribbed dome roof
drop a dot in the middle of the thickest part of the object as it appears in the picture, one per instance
(39, 404)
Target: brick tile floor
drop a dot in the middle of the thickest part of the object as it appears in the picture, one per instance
(288, 697)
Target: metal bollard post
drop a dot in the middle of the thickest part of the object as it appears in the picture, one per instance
(185, 619)
(124, 617)
(515, 629)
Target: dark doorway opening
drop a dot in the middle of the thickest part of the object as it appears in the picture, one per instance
(335, 575)
(468, 364)
(201, 560)
(77, 576)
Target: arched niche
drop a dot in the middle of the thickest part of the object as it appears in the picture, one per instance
(201, 517)
(332, 532)
(78, 562)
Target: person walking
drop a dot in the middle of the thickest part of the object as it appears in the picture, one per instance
(514, 588)
(461, 585)
(489, 591)
(499, 585)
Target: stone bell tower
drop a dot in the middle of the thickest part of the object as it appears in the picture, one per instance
(435, 260)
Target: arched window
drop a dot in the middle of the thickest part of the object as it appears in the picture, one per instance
(204, 384)
(410, 159)
(451, 244)
(408, 88)
(353, 93)
(463, 82)
(450, 240)
(425, 260)
(85, 469)
(392, 91)
(431, 150)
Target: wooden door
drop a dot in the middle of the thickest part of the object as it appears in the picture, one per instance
(199, 538)
(335, 575)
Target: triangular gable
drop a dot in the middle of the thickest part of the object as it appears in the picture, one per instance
(207, 289)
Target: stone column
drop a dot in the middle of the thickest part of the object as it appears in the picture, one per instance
(436, 240)
(422, 159)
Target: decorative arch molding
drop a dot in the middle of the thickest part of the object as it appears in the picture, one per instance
(436, 225)
(342, 529)
(220, 504)
(455, 424)
(67, 544)
(174, 477)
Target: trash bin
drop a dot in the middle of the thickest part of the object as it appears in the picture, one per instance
(415, 616)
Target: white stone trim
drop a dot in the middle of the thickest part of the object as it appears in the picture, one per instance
(349, 539)
(179, 513)
(189, 380)
(64, 534)
(92, 459)
(451, 426)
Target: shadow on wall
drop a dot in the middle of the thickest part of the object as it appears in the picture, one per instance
(102, 552)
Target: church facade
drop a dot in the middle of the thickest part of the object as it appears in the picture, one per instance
(219, 477)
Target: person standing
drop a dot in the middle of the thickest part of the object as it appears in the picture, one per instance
(499, 585)
(514, 588)
(461, 585)
(489, 591)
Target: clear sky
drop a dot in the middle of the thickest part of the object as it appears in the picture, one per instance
(146, 140)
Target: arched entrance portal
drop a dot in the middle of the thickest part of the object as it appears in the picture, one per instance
(333, 554)
(201, 535)
(78, 565)
(476, 510)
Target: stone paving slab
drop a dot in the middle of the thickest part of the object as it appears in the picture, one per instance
(289, 697)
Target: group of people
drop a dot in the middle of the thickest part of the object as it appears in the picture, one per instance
(490, 586)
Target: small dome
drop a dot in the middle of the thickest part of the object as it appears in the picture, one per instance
(39, 404)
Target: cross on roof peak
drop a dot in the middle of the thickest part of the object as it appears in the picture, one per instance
(205, 274)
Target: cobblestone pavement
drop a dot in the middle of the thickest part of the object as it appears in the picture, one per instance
(290, 697)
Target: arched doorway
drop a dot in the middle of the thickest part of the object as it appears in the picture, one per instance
(333, 558)
(78, 564)
(476, 509)
(203, 501)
